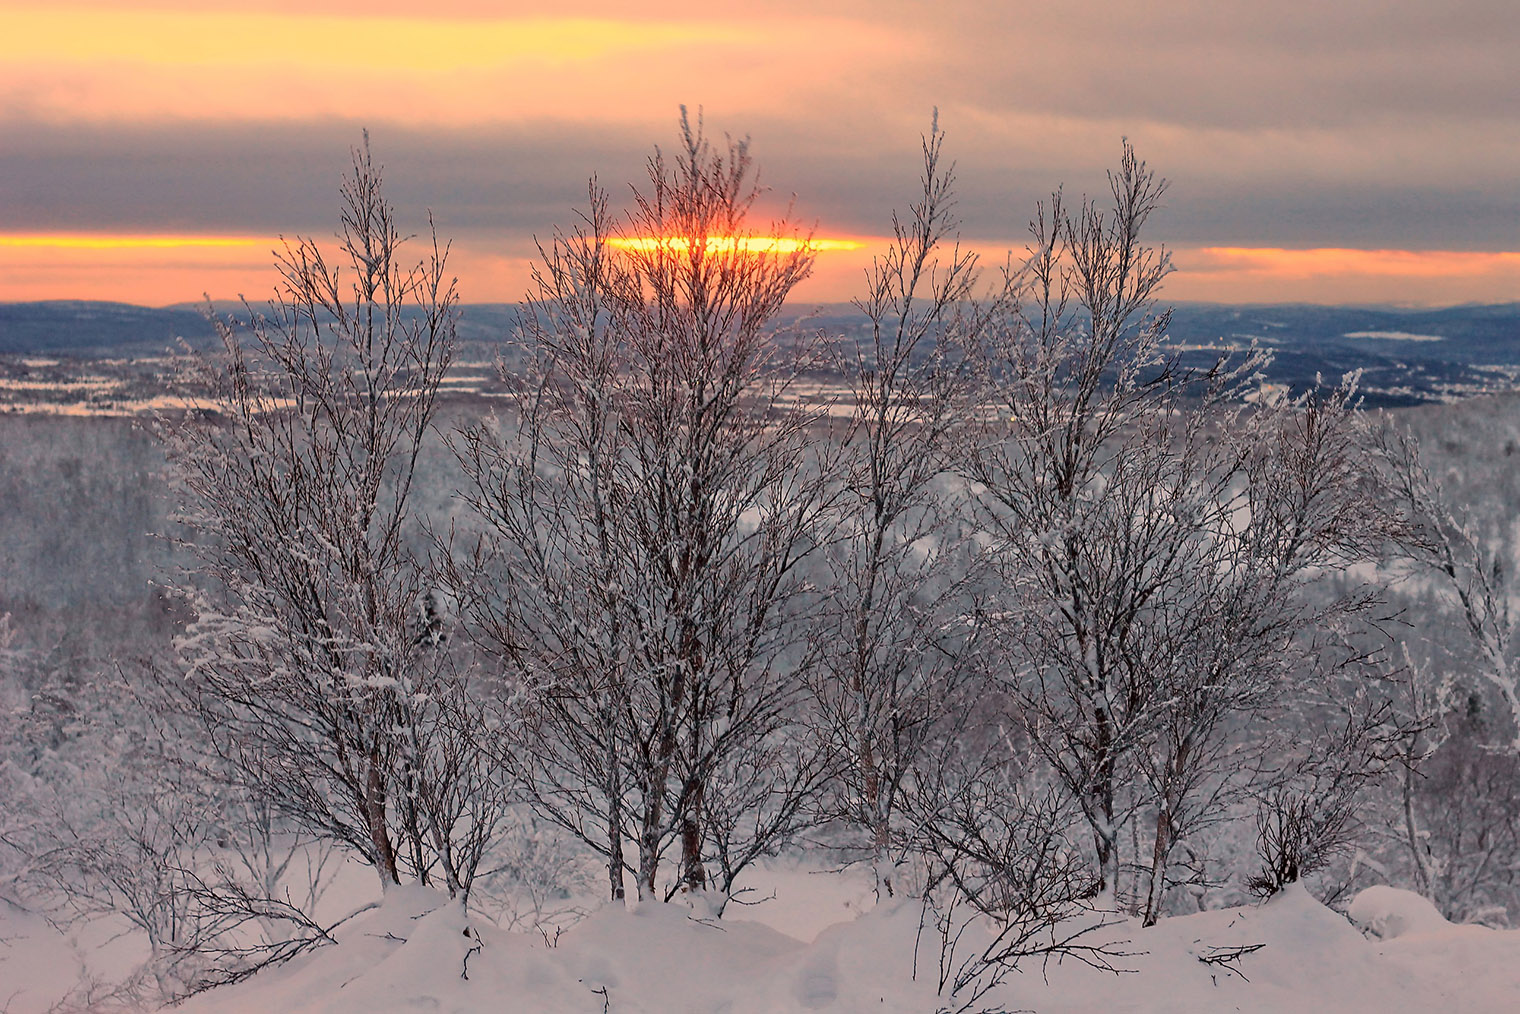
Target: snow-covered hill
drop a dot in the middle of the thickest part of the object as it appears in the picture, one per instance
(417, 954)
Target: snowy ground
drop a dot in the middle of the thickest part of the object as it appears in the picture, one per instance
(415, 953)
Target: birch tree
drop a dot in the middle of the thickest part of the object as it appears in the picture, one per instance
(1474, 568)
(896, 655)
(1156, 535)
(305, 660)
(1071, 482)
(646, 512)
(1460, 729)
(1263, 624)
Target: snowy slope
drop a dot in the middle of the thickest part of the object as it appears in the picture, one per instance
(411, 956)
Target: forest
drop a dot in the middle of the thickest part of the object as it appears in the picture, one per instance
(992, 602)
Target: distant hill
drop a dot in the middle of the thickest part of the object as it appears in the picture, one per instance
(83, 328)
(78, 327)
(1407, 356)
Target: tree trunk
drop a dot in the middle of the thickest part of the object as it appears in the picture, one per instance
(614, 824)
(374, 814)
(881, 836)
(1423, 879)
(615, 863)
(1158, 864)
(1106, 845)
(693, 873)
(649, 849)
(1105, 834)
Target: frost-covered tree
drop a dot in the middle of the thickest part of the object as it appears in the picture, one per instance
(1264, 626)
(1457, 715)
(304, 659)
(1078, 490)
(1155, 534)
(895, 653)
(646, 509)
(1474, 567)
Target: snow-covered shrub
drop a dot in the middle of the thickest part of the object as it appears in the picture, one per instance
(1309, 813)
(1297, 833)
(1004, 883)
(537, 878)
(1455, 817)
(118, 818)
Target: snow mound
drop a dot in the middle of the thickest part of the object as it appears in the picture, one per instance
(1285, 956)
(37, 963)
(417, 952)
(1389, 912)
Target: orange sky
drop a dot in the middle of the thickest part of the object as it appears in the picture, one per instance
(149, 153)
(158, 273)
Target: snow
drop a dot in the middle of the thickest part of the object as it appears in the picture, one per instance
(414, 950)
(800, 899)
(412, 954)
(1396, 336)
(656, 958)
(1388, 912)
(34, 960)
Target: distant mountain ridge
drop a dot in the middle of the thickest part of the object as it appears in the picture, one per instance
(1407, 355)
(82, 327)
(89, 328)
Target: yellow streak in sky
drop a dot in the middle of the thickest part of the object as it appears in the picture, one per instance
(113, 242)
(742, 244)
(114, 65)
(246, 38)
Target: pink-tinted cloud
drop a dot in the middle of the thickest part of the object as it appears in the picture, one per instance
(1363, 124)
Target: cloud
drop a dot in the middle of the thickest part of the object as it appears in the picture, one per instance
(1375, 124)
(419, 69)
(1199, 63)
(271, 178)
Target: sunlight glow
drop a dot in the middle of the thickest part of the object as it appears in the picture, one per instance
(740, 244)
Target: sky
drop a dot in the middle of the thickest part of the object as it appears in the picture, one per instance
(1334, 151)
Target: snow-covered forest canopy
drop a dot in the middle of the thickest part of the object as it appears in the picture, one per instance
(991, 609)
